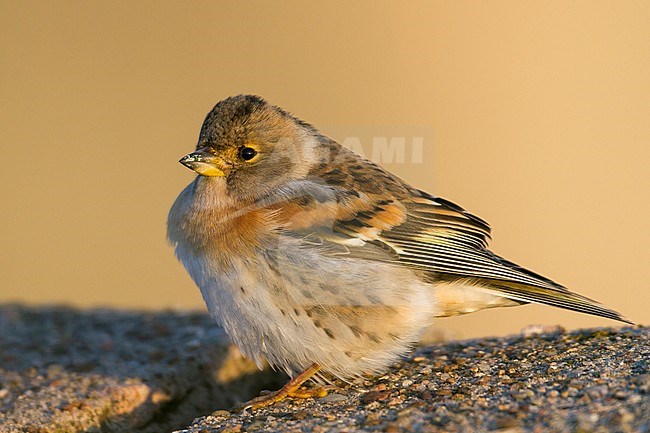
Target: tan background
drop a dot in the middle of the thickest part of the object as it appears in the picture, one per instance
(540, 113)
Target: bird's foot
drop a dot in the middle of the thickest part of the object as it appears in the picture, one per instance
(292, 389)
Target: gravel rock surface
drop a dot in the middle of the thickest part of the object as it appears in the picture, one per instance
(64, 370)
(585, 381)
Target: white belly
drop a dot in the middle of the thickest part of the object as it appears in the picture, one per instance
(296, 307)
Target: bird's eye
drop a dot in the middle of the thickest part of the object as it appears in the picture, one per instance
(247, 153)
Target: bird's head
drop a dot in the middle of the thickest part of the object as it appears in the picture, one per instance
(253, 146)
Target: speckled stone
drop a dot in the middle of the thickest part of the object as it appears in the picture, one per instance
(65, 371)
(594, 380)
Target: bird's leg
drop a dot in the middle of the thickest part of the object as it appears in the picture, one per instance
(291, 389)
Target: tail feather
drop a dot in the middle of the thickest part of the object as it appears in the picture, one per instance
(526, 286)
(548, 292)
(557, 298)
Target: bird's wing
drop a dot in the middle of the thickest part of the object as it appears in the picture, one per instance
(431, 235)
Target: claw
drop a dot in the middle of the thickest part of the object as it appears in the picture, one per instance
(292, 389)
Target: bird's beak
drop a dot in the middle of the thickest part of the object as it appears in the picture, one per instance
(204, 163)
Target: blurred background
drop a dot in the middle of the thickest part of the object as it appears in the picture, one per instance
(536, 118)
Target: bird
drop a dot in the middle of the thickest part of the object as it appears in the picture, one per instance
(322, 262)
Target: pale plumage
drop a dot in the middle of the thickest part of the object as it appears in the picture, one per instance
(308, 253)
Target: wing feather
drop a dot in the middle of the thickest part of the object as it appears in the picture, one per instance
(433, 236)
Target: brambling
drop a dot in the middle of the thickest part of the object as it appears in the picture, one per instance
(320, 260)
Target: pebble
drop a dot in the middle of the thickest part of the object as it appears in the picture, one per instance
(484, 367)
(333, 398)
(372, 396)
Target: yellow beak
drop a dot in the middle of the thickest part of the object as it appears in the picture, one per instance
(204, 163)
